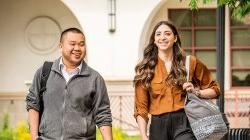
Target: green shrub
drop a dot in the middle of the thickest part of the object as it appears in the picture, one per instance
(117, 135)
(6, 133)
(21, 132)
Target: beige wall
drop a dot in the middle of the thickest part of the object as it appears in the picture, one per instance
(114, 55)
(18, 61)
(14, 105)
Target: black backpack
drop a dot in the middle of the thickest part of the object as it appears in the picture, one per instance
(45, 75)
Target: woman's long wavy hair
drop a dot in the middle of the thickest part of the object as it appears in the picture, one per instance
(145, 69)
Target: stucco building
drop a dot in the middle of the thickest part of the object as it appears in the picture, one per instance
(116, 32)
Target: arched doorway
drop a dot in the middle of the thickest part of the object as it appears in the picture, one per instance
(29, 35)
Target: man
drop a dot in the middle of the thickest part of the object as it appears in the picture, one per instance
(75, 99)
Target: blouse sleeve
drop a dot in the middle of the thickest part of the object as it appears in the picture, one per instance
(141, 102)
(203, 77)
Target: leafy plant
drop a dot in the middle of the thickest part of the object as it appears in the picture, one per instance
(240, 8)
(21, 132)
(117, 135)
(6, 133)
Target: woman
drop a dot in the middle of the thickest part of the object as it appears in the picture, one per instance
(160, 86)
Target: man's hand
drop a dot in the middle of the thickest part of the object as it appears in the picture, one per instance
(106, 132)
(33, 123)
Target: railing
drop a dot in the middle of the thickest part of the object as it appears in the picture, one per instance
(237, 108)
(122, 106)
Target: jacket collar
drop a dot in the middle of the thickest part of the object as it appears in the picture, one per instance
(85, 70)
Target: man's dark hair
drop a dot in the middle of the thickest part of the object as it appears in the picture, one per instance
(73, 30)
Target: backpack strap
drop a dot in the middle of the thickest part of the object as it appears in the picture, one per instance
(44, 77)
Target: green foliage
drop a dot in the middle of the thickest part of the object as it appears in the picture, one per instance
(236, 81)
(6, 133)
(193, 4)
(21, 132)
(117, 135)
(240, 8)
(247, 79)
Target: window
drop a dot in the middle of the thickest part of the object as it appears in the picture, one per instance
(240, 52)
(198, 33)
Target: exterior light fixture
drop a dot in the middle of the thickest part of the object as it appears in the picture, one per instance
(112, 15)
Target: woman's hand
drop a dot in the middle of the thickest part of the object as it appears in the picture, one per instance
(142, 127)
(208, 93)
(188, 86)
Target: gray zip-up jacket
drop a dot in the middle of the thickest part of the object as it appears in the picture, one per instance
(71, 110)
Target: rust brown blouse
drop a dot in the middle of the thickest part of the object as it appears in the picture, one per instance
(165, 98)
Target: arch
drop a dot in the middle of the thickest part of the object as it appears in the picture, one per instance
(146, 30)
(30, 30)
(67, 5)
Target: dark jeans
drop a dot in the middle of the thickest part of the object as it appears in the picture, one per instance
(171, 126)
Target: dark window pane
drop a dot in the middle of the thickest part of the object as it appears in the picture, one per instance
(241, 58)
(188, 52)
(241, 78)
(181, 18)
(241, 37)
(186, 38)
(205, 17)
(205, 38)
(207, 57)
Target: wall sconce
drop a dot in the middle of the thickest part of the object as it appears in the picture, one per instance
(112, 15)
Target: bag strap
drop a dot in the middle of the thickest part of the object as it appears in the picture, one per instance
(187, 65)
(44, 77)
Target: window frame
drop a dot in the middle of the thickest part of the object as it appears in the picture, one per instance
(233, 48)
(193, 28)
